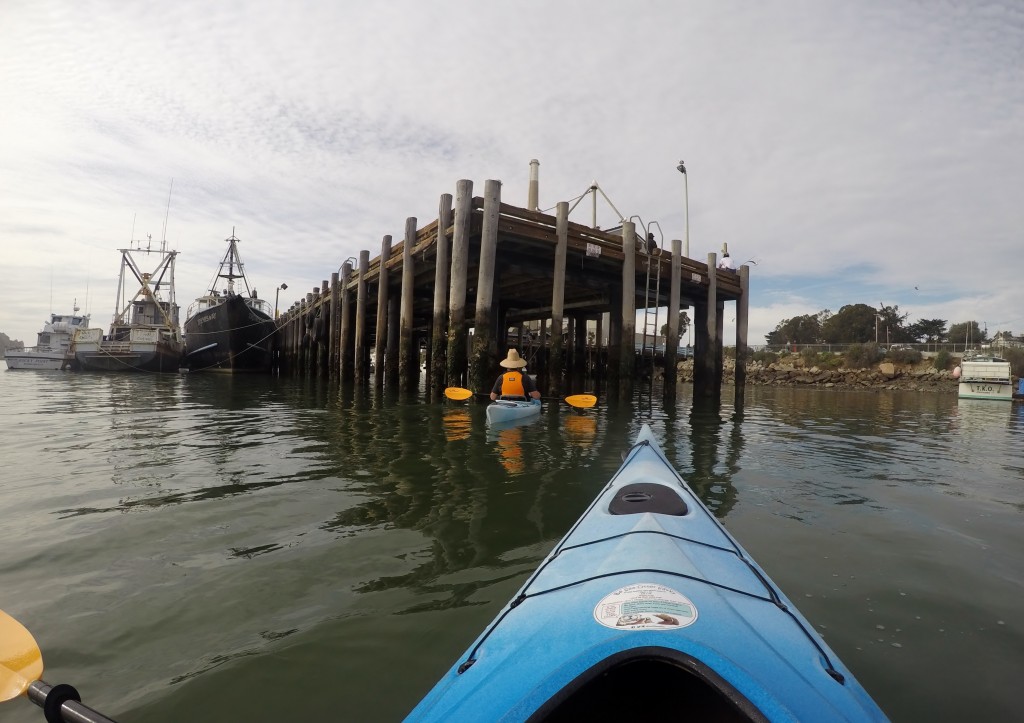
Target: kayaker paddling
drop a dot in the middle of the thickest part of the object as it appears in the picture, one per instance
(514, 383)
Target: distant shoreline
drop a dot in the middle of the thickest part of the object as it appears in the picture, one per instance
(790, 372)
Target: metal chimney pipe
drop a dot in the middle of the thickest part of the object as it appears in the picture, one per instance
(532, 199)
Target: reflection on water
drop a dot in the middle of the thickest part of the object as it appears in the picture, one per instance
(980, 417)
(209, 527)
(580, 430)
(457, 424)
(509, 443)
(714, 460)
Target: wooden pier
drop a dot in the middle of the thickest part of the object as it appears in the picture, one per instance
(448, 292)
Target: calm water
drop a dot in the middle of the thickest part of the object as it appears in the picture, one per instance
(207, 548)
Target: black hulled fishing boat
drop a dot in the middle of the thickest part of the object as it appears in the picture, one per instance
(229, 329)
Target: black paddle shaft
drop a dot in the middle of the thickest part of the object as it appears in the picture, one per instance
(62, 704)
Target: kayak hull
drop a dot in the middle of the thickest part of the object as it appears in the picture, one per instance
(648, 586)
(508, 410)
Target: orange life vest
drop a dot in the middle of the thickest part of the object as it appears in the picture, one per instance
(512, 385)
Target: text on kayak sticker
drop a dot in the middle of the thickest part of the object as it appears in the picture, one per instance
(645, 606)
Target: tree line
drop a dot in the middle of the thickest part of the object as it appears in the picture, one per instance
(7, 343)
(860, 324)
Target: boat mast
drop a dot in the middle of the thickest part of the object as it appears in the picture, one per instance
(232, 250)
(167, 261)
(163, 243)
(231, 260)
(149, 283)
(119, 308)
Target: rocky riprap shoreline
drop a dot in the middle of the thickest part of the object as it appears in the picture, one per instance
(885, 375)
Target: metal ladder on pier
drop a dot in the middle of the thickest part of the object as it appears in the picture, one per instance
(652, 294)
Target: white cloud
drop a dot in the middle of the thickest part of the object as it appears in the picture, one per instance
(855, 150)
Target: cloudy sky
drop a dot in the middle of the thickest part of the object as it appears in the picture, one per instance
(858, 152)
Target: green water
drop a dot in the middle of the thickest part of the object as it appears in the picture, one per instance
(258, 549)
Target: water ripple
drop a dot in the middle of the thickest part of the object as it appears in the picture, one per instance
(172, 536)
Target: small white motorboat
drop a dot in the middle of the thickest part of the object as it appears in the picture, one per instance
(52, 343)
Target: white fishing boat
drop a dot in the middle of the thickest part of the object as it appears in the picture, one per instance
(985, 376)
(145, 334)
(52, 343)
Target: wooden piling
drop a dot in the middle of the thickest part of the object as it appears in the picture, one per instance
(316, 335)
(704, 382)
(482, 364)
(570, 346)
(332, 354)
(672, 338)
(428, 350)
(542, 365)
(719, 351)
(391, 376)
(361, 349)
(457, 352)
(409, 365)
(615, 335)
(301, 334)
(742, 315)
(346, 357)
(286, 328)
(309, 347)
(281, 339)
(627, 361)
(579, 342)
(380, 345)
(442, 263)
(324, 346)
(556, 363)
(295, 341)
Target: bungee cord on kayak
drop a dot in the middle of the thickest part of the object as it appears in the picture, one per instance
(566, 584)
(772, 596)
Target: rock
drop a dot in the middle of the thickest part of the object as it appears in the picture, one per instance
(921, 377)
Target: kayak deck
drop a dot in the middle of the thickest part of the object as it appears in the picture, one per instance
(647, 605)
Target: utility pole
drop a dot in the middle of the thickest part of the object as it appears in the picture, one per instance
(686, 204)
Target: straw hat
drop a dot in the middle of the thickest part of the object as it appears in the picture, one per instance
(513, 360)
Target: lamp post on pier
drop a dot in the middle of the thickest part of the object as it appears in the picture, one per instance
(686, 204)
(277, 293)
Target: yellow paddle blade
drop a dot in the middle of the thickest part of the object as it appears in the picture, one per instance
(583, 401)
(457, 393)
(21, 663)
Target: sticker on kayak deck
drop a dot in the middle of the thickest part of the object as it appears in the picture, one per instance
(645, 606)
